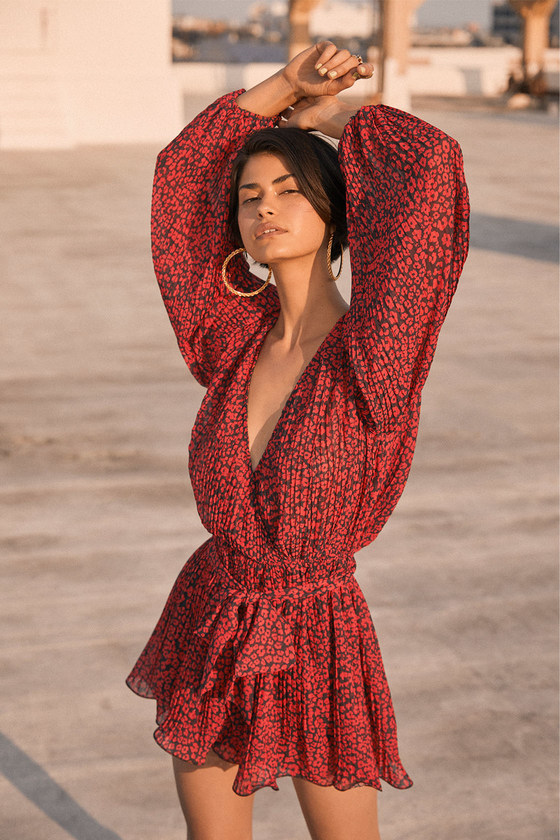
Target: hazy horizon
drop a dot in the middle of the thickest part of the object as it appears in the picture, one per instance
(431, 13)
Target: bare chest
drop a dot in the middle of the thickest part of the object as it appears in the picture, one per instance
(274, 377)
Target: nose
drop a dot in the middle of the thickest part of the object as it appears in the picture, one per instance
(265, 210)
(266, 206)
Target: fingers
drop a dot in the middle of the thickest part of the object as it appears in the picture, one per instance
(341, 83)
(287, 116)
(363, 71)
(326, 50)
(298, 115)
(335, 64)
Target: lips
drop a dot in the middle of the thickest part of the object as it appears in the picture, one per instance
(267, 229)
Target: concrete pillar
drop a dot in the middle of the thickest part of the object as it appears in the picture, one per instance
(536, 20)
(396, 20)
(298, 15)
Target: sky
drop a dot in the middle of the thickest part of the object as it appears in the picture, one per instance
(431, 13)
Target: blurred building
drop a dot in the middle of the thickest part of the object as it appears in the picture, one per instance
(272, 18)
(445, 36)
(345, 21)
(507, 25)
(264, 35)
(100, 71)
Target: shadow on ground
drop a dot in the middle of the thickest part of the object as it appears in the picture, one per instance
(42, 790)
(515, 237)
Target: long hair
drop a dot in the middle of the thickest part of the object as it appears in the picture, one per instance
(314, 163)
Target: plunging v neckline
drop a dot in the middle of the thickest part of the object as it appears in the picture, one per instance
(257, 347)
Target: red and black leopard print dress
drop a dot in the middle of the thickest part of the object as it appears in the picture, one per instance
(265, 651)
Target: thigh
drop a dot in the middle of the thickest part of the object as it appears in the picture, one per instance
(333, 814)
(212, 810)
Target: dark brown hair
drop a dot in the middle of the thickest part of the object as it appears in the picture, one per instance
(314, 163)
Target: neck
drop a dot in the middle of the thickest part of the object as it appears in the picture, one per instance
(310, 301)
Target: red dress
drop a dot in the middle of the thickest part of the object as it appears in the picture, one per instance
(265, 651)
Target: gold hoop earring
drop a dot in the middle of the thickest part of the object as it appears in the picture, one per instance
(228, 284)
(329, 263)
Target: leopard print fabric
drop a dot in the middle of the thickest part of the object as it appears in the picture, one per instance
(265, 651)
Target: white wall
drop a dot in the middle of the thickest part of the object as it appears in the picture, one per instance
(211, 80)
(459, 71)
(86, 71)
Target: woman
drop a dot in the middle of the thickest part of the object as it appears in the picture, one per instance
(265, 662)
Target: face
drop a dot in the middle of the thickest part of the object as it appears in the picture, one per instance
(276, 221)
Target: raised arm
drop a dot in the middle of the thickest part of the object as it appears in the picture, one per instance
(408, 215)
(408, 222)
(190, 237)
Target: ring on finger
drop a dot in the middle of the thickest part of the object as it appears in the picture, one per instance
(359, 59)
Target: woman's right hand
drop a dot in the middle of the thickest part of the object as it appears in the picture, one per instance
(324, 70)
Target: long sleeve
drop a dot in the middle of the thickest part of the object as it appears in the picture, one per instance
(408, 213)
(190, 237)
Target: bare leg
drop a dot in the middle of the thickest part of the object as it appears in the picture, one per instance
(333, 814)
(212, 810)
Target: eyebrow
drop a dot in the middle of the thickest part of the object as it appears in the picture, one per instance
(276, 181)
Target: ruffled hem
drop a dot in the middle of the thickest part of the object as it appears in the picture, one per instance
(315, 704)
(294, 772)
(248, 780)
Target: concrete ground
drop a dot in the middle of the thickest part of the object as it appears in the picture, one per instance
(98, 516)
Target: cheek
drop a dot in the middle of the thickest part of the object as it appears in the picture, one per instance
(242, 223)
(311, 225)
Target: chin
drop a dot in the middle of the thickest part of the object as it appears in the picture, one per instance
(267, 256)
